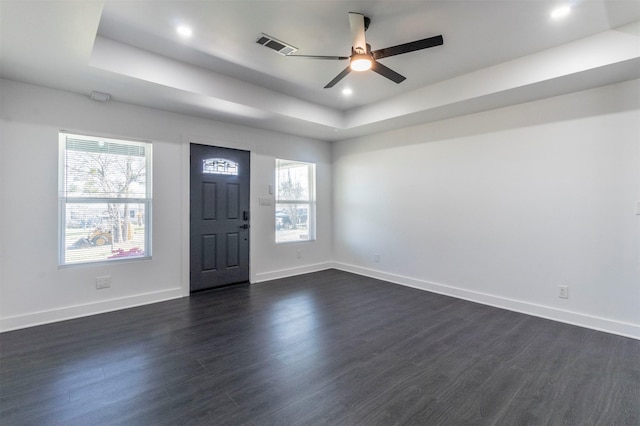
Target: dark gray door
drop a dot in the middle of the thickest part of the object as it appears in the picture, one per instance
(219, 216)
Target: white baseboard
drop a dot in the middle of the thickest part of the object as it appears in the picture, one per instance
(290, 272)
(78, 311)
(573, 318)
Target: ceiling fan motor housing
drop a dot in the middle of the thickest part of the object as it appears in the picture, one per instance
(360, 60)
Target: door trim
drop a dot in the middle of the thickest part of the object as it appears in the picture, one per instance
(185, 249)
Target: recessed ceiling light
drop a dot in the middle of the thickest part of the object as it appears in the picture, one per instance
(184, 31)
(561, 12)
(347, 91)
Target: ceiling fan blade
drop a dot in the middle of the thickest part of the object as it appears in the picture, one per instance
(339, 77)
(387, 72)
(408, 47)
(356, 23)
(329, 58)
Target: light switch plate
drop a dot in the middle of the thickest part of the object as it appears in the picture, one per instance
(563, 291)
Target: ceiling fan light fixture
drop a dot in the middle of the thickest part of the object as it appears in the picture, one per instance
(361, 62)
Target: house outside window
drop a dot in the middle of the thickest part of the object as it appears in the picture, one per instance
(104, 199)
(295, 201)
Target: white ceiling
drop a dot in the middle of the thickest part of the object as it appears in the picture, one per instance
(495, 53)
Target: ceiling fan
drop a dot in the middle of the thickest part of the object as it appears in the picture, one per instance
(363, 59)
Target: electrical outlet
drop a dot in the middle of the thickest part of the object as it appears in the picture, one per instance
(103, 282)
(563, 291)
(299, 254)
(376, 257)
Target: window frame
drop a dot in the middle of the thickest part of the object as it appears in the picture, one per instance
(310, 201)
(64, 199)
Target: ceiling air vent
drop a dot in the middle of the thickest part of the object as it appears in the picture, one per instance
(275, 44)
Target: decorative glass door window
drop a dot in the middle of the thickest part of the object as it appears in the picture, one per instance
(219, 166)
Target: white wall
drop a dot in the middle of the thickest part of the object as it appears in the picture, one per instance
(499, 207)
(504, 206)
(34, 290)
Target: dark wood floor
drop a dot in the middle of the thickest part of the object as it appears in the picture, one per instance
(325, 348)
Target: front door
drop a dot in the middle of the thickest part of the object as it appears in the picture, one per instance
(219, 205)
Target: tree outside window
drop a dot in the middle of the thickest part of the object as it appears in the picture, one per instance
(105, 199)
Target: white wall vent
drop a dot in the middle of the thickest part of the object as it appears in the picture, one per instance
(273, 43)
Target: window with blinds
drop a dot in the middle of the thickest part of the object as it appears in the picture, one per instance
(295, 201)
(105, 199)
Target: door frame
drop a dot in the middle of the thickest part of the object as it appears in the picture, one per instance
(185, 244)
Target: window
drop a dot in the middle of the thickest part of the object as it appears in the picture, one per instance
(105, 199)
(219, 166)
(295, 201)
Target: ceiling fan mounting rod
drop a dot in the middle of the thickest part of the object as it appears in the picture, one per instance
(367, 21)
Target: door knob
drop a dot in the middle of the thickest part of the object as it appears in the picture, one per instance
(245, 226)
